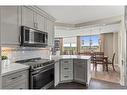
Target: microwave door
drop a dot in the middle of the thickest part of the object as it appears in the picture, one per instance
(37, 36)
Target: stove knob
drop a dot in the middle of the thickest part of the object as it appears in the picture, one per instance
(38, 65)
(35, 66)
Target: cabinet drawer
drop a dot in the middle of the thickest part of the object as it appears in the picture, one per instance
(20, 85)
(79, 61)
(68, 75)
(66, 61)
(67, 66)
(16, 77)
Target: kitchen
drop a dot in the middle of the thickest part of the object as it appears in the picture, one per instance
(29, 60)
(28, 48)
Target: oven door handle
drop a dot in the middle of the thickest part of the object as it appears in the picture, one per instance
(38, 72)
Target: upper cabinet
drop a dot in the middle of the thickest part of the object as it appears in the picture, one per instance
(13, 17)
(40, 22)
(32, 19)
(9, 25)
(27, 17)
(49, 28)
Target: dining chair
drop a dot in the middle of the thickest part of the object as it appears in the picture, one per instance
(98, 59)
(111, 62)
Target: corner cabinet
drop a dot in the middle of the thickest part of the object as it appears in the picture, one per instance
(80, 70)
(9, 25)
(69, 70)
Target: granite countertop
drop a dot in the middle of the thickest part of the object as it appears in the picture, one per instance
(12, 68)
(56, 58)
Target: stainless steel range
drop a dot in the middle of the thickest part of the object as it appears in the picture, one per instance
(41, 74)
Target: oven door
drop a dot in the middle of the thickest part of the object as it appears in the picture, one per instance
(43, 79)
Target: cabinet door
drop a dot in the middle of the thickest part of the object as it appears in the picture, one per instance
(27, 17)
(9, 25)
(40, 22)
(66, 69)
(21, 85)
(49, 28)
(80, 70)
(57, 73)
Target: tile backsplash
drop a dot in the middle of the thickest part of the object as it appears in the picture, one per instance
(15, 54)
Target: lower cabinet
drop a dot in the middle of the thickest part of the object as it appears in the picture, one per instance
(18, 80)
(66, 70)
(77, 70)
(80, 70)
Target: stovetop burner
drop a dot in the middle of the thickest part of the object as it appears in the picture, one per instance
(36, 62)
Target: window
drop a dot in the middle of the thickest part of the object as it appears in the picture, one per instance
(90, 43)
(69, 45)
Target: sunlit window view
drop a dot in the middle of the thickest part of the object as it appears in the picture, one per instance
(69, 45)
(90, 43)
(87, 44)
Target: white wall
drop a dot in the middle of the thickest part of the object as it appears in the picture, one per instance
(62, 32)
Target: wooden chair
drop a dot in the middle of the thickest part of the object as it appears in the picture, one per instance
(111, 62)
(98, 58)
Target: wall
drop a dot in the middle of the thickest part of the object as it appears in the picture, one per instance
(92, 30)
(15, 54)
(110, 45)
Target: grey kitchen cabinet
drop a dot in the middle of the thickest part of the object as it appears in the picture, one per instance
(80, 70)
(73, 69)
(40, 22)
(49, 28)
(18, 80)
(9, 25)
(56, 72)
(32, 19)
(66, 69)
(12, 17)
(28, 17)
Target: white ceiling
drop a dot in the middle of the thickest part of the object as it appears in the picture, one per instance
(79, 14)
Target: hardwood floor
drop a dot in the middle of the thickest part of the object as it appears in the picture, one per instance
(110, 76)
(94, 84)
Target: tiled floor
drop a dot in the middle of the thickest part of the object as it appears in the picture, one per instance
(94, 84)
(110, 76)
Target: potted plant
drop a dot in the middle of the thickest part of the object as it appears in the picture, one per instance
(4, 60)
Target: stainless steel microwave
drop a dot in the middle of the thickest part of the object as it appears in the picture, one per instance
(33, 38)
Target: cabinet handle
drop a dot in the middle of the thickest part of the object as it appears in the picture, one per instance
(66, 68)
(36, 25)
(16, 77)
(66, 76)
(65, 61)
